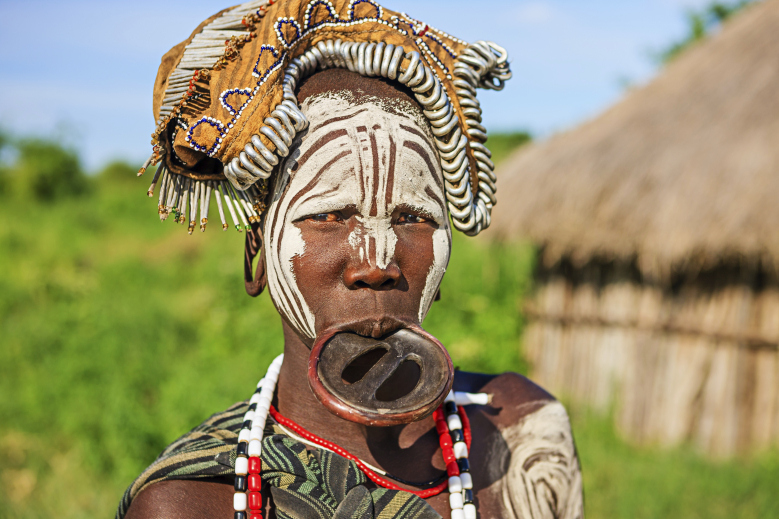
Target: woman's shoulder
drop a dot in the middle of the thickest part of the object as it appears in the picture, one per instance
(535, 467)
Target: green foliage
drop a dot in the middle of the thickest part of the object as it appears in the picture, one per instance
(43, 170)
(625, 482)
(701, 23)
(119, 172)
(502, 144)
(119, 333)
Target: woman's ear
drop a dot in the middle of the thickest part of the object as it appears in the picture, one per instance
(254, 282)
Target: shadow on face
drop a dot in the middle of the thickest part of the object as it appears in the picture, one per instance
(357, 230)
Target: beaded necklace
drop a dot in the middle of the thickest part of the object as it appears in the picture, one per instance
(454, 437)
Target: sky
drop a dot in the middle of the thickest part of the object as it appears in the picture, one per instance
(82, 70)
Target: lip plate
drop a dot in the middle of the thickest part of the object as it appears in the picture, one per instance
(381, 417)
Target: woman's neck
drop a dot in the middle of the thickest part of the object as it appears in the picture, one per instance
(391, 448)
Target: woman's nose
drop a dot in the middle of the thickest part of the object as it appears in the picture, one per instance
(365, 275)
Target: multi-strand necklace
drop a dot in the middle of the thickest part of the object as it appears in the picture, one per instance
(454, 437)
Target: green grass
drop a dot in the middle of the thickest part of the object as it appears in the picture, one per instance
(118, 333)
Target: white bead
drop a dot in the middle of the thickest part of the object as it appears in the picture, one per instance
(456, 501)
(449, 397)
(455, 485)
(248, 416)
(259, 384)
(470, 511)
(255, 398)
(256, 433)
(472, 398)
(239, 501)
(262, 412)
(453, 421)
(460, 450)
(267, 393)
(255, 448)
(244, 435)
(465, 477)
(241, 465)
(271, 378)
(458, 514)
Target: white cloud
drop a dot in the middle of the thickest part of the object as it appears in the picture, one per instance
(533, 13)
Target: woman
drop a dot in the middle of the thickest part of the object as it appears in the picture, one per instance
(343, 137)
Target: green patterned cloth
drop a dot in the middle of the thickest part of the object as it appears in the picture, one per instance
(304, 484)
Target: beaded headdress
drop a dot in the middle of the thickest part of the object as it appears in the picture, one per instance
(227, 111)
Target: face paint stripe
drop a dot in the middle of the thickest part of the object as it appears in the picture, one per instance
(335, 120)
(390, 175)
(435, 197)
(276, 273)
(289, 207)
(308, 187)
(335, 134)
(413, 146)
(322, 195)
(375, 153)
(421, 136)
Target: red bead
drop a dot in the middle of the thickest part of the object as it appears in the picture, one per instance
(448, 455)
(255, 465)
(441, 427)
(445, 441)
(255, 483)
(452, 469)
(255, 514)
(255, 500)
(438, 414)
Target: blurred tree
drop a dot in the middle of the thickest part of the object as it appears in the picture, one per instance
(46, 171)
(118, 172)
(701, 23)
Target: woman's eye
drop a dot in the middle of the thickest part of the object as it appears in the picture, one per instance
(325, 217)
(411, 218)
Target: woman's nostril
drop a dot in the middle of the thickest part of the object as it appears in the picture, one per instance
(361, 284)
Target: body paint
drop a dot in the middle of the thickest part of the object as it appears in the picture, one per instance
(375, 156)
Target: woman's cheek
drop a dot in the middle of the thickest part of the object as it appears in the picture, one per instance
(415, 255)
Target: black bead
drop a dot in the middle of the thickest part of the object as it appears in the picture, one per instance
(457, 435)
(240, 515)
(241, 484)
(247, 424)
(450, 408)
(242, 449)
(259, 389)
(463, 464)
(253, 407)
(468, 496)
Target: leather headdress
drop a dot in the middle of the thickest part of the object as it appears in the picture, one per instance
(227, 111)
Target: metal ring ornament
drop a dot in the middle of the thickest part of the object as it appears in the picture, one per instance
(460, 142)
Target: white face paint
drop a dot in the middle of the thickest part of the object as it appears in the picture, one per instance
(375, 157)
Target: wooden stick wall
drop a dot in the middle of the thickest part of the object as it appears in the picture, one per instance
(698, 364)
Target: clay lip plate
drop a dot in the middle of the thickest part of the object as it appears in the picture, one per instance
(333, 351)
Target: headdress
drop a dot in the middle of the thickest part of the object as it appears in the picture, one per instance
(227, 112)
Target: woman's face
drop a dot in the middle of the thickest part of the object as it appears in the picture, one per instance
(357, 234)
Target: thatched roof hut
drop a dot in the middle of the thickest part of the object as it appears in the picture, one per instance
(658, 225)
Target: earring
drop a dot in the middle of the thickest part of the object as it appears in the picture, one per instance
(254, 282)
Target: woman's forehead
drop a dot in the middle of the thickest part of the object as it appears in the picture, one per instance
(368, 153)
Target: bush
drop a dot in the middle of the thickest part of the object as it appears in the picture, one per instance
(118, 172)
(45, 171)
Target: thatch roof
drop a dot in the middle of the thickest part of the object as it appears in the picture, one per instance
(682, 173)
